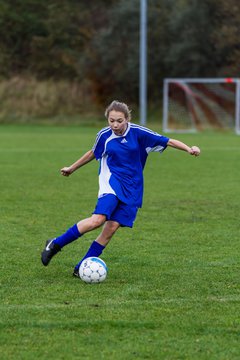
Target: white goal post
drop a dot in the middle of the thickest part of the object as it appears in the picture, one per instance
(191, 105)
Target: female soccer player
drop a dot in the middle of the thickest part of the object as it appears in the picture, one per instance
(122, 149)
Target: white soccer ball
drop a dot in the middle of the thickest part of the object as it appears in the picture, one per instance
(93, 270)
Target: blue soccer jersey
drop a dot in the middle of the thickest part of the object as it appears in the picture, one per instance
(122, 160)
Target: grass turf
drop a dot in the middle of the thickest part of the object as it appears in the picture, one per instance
(172, 290)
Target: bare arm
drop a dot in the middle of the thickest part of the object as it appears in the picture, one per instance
(194, 150)
(86, 158)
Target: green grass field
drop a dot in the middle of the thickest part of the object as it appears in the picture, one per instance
(173, 288)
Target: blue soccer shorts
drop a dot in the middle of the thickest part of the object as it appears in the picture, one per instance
(115, 210)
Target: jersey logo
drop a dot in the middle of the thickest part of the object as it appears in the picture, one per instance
(124, 141)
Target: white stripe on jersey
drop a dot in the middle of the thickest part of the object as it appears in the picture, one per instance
(112, 136)
(100, 133)
(104, 177)
(158, 148)
(144, 129)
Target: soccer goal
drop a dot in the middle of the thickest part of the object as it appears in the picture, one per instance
(191, 105)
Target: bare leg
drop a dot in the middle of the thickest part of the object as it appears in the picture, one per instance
(91, 223)
(107, 233)
(101, 242)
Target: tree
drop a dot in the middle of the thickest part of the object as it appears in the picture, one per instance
(191, 50)
(159, 13)
(112, 54)
(19, 22)
(226, 38)
(99, 41)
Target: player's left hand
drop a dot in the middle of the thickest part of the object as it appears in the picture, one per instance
(195, 151)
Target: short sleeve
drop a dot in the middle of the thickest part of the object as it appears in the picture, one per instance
(152, 141)
(99, 145)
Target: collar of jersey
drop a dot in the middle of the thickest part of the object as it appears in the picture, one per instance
(125, 132)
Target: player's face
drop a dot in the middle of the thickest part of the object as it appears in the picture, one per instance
(117, 122)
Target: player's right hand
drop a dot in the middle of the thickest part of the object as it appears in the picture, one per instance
(66, 171)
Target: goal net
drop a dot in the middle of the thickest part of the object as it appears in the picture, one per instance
(191, 105)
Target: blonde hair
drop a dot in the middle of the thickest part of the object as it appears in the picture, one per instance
(119, 106)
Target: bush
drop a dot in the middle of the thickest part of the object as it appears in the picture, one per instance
(26, 97)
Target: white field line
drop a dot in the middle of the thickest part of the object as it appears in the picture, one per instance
(211, 299)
